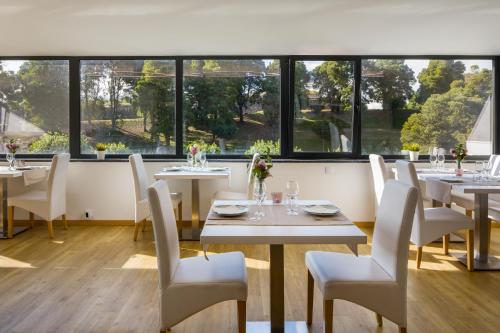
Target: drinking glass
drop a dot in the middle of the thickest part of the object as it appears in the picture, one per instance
(190, 159)
(292, 194)
(486, 169)
(259, 194)
(441, 157)
(11, 159)
(203, 159)
(478, 170)
(433, 157)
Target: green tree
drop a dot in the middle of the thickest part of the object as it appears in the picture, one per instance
(156, 99)
(387, 81)
(334, 80)
(45, 93)
(271, 94)
(437, 77)
(302, 78)
(447, 119)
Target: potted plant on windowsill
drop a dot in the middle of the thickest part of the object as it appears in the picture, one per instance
(413, 151)
(100, 149)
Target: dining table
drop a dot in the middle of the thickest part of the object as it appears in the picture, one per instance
(277, 228)
(193, 174)
(31, 176)
(441, 184)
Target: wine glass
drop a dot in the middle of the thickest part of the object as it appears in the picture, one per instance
(10, 158)
(292, 194)
(259, 194)
(478, 170)
(487, 169)
(441, 157)
(203, 159)
(190, 159)
(432, 157)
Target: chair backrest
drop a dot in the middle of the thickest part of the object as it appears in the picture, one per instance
(255, 157)
(380, 175)
(393, 228)
(56, 184)
(408, 175)
(165, 231)
(140, 176)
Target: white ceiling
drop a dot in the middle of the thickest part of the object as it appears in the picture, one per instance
(177, 27)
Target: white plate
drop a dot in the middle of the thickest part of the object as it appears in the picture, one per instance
(230, 210)
(215, 169)
(321, 210)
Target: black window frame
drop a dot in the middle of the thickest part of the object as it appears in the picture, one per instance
(287, 63)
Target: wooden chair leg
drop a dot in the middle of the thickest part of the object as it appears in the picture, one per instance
(419, 256)
(379, 320)
(468, 212)
(179, 213)
(143, 225)
(470, 250)
(32, 220)
(402, 329)
(242, 316)
(10, 221)
(51, 229)
(310, 297)
(136, 230)
(65, 222)
(446, 243)
(490, 222)
(328, 315)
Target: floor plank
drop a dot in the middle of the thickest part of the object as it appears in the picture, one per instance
(96, 279)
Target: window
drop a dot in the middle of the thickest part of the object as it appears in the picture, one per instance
(128, 105)
(323, 106)
(34, 105)
(232, 106)
(430, 102)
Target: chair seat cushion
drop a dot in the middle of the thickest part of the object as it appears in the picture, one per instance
(226, 269)
(176, 198)
(442, 216)
(228, 195)
(330, 269)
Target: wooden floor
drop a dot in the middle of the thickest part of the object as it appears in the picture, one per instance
(96, 279)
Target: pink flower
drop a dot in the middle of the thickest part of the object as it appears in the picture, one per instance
(262, 165)
(194, 149)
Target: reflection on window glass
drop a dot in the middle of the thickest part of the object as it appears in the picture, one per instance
(323, 106)
(434, 103)
(128, 105)
(232, 106)
(34, 105)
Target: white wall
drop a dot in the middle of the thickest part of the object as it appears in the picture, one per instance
(107, 188)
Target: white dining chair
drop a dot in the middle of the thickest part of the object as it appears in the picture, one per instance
(381, 174)
(141, 183)
(190, 285)
(377, 282)
(432, 223)
(49, 203)
(229, 195)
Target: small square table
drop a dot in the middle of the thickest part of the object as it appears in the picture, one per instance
(277, 229)
(194, 175)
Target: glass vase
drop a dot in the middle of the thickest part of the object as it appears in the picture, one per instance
(259, 194)
(11, 158)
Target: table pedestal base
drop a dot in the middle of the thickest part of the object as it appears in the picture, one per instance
(493, 263)
(17, 230)
(265, 327)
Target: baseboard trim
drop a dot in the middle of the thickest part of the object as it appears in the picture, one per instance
(361, 224)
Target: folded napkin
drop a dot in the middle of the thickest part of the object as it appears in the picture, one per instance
(34, 175)
(438, 190)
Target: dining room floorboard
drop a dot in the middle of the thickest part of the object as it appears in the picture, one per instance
(97, 279)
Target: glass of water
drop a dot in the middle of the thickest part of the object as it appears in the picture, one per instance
(203, 159)
(292, 194)
(486, 169)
